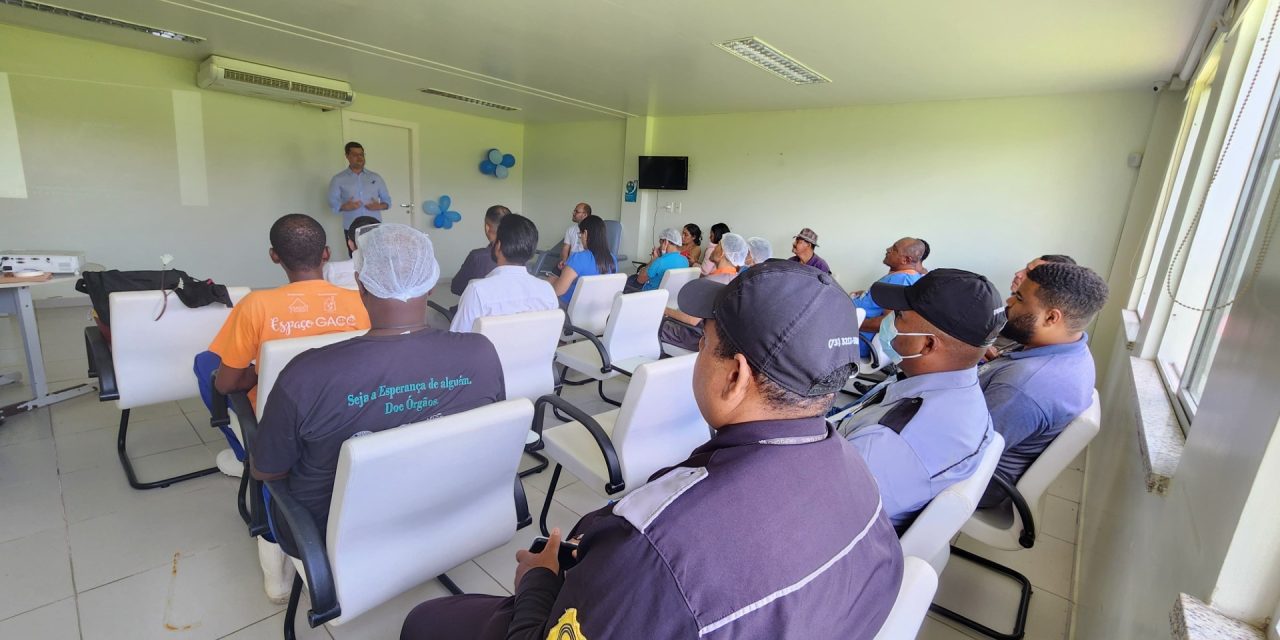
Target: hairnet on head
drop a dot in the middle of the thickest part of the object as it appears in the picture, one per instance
(761, 250)
(735, 248)
(396, 261)
(670, 235)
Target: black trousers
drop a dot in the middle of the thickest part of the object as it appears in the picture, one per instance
(468, 616)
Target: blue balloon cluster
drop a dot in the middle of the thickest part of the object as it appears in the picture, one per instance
(444, 218)
(497, 163)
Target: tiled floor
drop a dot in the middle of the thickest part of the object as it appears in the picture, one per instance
(84, 556)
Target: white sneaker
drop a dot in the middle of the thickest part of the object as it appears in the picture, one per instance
(277, 571)
(228, 464)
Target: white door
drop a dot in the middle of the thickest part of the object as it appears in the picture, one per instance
(391, 151)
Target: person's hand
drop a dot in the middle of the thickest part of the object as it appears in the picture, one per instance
(350, 205)
(654, 253)
(991, 354)
(857, 294)
(560, 266)
(375, 205)
(548, 558)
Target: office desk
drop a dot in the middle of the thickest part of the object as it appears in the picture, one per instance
(15, 298)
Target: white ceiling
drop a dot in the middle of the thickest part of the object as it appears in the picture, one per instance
(564, 60)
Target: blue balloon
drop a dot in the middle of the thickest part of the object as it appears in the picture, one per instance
(487, 167)
(431, 207)
(445, 201)
(495, 156)
(501, 171)
(508, 160)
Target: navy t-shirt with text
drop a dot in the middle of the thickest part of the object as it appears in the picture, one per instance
(367, 384)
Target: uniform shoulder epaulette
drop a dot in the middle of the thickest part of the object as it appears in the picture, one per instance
(645, 504)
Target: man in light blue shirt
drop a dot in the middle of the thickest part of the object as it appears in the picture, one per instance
(904, 259)
(929, 430)
(665, 257)
(355, 191)
(1036, 390)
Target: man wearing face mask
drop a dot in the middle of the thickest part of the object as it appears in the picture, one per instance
(1035, 390)
(928, 431)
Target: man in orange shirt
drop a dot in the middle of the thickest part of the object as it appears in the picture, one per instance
(307, 306)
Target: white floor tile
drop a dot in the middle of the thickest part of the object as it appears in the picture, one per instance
(28, 508)
(202, 595)
(540, 481)
(500, 563)
(1078, 463)
(27, 462)
(84, 413)
(25, 427)
(1049, 617)
(57, 621)
(579, 498)
(102, 490)
(272, 629)
(1058, 518)
(1048, 565)
(1069, 485)
(34, 572)
(935, 629)
(129, 541)
(146, 436)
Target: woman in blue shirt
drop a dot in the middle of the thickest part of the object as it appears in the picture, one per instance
(595, 260)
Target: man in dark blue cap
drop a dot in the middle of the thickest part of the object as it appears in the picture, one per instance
(772, 529)
(928, 431)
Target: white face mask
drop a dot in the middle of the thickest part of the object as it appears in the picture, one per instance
(888, 331)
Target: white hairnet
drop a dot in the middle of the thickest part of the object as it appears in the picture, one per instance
(670, 235)
(761, 250)
(396, 261)
(735, 248)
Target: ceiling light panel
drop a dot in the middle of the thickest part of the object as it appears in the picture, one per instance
(765, 56)
(469, 100)
(103, 20)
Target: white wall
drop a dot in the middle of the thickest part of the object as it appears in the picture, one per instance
(568, 163)
(989, 183)
(96, 127)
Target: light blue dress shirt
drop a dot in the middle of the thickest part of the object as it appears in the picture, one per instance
(941, 445)
(662, 264)
(363, 187)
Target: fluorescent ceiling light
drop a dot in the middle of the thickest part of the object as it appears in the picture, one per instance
(469, 100)
(765, 56)
(97, 19)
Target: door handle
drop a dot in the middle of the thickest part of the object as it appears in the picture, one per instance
(407, 206)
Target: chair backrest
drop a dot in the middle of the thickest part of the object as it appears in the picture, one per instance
(632, 329)
(526, 345)
(613, 231)
(1057, 457)
(659, 423)
(941, 519)
(673, 280)
(592, 298)
(273, 355)
(919, 584)
(412, 502)
(152, 356)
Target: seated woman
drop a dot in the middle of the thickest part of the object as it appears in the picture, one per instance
(691, 243)
(595, 260)
(709, 262)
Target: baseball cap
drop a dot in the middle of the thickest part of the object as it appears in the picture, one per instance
(670, 235)
(792, 322)
(963, 304)
(808, 235)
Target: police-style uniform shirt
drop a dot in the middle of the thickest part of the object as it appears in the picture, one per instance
(772, 529)
(363, 187)
(1033, 394)
(940, 444)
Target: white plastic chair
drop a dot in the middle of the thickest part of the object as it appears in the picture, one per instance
(526, 345)
(154, 340)
(591, 302)
(1012, 526)
(919, 583)
(929, 536)
(630, 339)
(382, 542)
(614, 452)
(673, 280)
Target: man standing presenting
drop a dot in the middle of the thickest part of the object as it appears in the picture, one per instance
(572, 241)
(356, 192)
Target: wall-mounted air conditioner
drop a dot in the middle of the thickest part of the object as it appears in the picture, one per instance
(251, 79)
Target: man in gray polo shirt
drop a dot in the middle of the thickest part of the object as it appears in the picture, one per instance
(772, 529)
(1038, 388)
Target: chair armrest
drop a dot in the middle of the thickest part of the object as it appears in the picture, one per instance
(605, 366)
(101, 365)
(440, 309)
(875, 361)
(523, 519)
(315, 560)
(602, 439)
(254, 513)
(1027, 538)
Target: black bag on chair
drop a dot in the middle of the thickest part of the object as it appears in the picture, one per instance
(99, 285)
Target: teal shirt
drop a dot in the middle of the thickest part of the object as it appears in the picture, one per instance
(661, 265)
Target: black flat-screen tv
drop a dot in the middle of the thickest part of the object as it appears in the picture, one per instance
(668, 173)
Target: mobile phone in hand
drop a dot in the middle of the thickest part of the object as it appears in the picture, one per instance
(565, 556)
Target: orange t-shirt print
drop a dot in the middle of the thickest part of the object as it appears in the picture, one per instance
(306, 308)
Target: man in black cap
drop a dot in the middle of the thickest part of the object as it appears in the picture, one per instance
(772, 529)
(929, 430)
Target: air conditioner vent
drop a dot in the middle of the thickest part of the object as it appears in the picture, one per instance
(322, 92)
(262, 81)
(253, 78)
(469, 100)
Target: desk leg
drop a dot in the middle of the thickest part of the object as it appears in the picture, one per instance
(19, 303)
